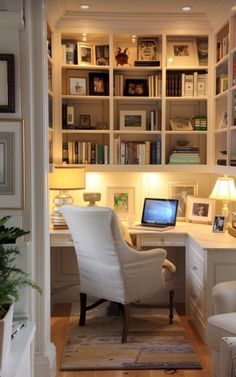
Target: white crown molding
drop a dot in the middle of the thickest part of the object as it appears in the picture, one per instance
(219, 14)
(55, 11)
(11, 20)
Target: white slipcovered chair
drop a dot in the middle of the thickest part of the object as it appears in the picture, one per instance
(221, 330)
(109, 268)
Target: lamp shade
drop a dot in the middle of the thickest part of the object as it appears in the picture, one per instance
(67, 178)
(224, 189)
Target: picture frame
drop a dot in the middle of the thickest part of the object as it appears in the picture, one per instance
(85, 53)
(181, 124)
(12, 174)
(84, 120)
(102, 54)
(219, 224)
(133, 120)
(182, 52)
(98, 83)
(7, 83)
(148, 48)
(121, 199)
(77, 86)
(200, 210)
(136, 87)
(181, 191)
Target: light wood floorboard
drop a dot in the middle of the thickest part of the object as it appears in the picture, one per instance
(59, 327)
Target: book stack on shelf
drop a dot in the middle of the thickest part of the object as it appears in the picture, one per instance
(222, 47)
(222, 158)
(186, 84)
(85, 152)
(200, 123)
(68, 51)
(185, 154)
(132, 152)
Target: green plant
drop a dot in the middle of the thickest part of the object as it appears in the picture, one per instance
(12, 278)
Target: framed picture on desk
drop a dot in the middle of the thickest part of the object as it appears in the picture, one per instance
(199, 210)
(181, 191)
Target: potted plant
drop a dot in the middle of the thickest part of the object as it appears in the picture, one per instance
(12, 279)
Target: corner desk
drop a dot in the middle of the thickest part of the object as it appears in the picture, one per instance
(210, 258)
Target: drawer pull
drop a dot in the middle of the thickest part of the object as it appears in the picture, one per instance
(195, 268)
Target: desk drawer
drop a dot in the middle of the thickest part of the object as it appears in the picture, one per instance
(196, 296)
(196, 266)
(160, 240)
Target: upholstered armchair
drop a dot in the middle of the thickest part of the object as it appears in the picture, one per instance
(221, 330)
(109, 268)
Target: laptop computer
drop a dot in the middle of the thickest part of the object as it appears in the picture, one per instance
(159, 213)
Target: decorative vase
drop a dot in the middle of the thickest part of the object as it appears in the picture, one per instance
(5, 336)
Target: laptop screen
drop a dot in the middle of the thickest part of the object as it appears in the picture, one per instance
(159, 212)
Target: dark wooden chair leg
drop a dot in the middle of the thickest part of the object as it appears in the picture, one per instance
(171, 305)
(126, 316)
(83, 300)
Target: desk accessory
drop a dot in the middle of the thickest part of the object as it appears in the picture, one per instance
(92, 198)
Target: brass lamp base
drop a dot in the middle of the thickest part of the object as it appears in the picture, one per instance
(92, 198)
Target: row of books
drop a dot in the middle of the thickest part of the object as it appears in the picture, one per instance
(222, 83)
(132, 152)
(222, 47)
(199, 123)
(180, 84)
(185, 155)
(85, 152)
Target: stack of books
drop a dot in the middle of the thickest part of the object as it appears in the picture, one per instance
(186, 154)
(222, 158)
(233, 160)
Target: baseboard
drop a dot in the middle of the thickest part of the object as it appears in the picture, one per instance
(46, 366)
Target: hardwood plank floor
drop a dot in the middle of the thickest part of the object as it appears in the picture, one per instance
(59, 327)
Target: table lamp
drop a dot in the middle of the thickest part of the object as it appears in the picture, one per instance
(224, 190)
(63, 179)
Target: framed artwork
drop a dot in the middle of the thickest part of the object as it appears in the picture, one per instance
(199, 210)
(219, 224)
(102, 54)
(181, 191)
(121, 199)
(77, 86)
(7, 83)
(11, 164)
(98, 84)
(182, 52)
(84, 120)
(85, 53)
(181, 124)
(148, 49)
(136, 87)
(133, 120)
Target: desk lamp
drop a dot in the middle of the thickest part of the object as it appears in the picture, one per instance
(63, 179)
(224, 190)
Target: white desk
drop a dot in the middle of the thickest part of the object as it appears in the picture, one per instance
(210, 258)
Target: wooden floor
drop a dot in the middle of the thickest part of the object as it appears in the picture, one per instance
(59, 327)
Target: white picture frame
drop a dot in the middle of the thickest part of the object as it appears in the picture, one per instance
(219, 224)
(200, 210)
(133, 120)
(85, 53)
(181, 191)
(12, 175)
(121, 199)
(77, 86)
(182, 52)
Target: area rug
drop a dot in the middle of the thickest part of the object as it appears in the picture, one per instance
(152, 342)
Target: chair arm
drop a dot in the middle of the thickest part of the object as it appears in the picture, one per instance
(224, 297)
(227, 356)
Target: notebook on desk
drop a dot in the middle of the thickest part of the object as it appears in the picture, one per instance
(159, 214)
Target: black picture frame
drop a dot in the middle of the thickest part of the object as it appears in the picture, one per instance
(98, 84)
(136, 87)
(7, 101)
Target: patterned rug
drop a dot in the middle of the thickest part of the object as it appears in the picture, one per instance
(152, 342)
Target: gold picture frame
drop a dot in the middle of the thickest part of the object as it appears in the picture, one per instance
(133, 120)
(181, 124)
(182, 52)
(85, 53)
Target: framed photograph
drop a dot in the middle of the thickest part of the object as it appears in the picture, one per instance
(11, 164)
(181, 124)
(102, 54)
(136, 87)
(219, 224)
(7, 83)
(181, 191)
(122, 200)
(84, 120)
(77, 86)
(182, 52)
(199, 210)
(85, 53)
(98, 84)
(148, 49)
(132, 120)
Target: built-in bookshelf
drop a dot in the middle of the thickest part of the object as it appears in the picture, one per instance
(50, 92)
(121, 101)
(225, 94)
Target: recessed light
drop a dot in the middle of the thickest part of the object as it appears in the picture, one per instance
(186, 8)
(84, 6)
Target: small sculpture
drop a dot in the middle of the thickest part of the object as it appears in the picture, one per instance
(122, 56)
